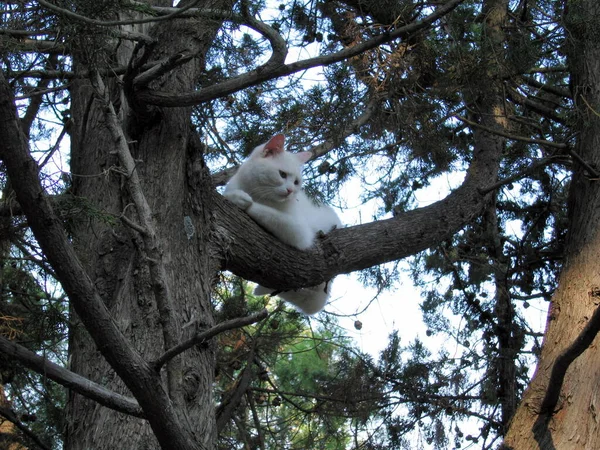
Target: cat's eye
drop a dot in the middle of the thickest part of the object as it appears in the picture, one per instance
(283, 174)
(296, 181)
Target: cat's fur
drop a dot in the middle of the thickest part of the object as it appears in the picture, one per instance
(268, 186)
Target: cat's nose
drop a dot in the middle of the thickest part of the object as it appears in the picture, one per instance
(289, 191)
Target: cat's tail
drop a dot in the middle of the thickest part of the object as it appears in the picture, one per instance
(308, 300)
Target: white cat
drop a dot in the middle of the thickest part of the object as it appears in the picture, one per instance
(268, 186)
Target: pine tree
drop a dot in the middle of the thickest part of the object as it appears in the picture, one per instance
(124, 241)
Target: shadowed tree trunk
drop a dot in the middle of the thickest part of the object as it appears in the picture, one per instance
(560, 408)
(174, 183)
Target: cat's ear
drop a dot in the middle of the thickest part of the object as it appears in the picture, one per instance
(274, 146)
(303, 156)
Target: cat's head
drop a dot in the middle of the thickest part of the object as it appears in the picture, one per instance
(275, 175)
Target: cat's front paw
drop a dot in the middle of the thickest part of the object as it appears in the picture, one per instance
(240, 198)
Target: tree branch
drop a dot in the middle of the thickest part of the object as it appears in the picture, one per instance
(222, 177)
(542, 142)
(274, 69)
(252, 253)
(204, 336)
(36, 100)
(113, 23)
(69, 379)
(523, 173)
(12, 417)
(138, 376)
(542, 110)
(228, 406)
(278, 44)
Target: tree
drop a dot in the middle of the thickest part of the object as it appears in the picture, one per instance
(552, 412)
(156, 101)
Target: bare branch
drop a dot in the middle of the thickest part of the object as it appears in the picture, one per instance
(69, 379)
(523, 173)
(542, 142)
(278, 44)
(113, 23)
(231, 402)
(38, 92)
(222, 177)
(204, 336)
(273, 69)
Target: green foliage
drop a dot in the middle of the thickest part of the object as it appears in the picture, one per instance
(310, 387)
(33, 313)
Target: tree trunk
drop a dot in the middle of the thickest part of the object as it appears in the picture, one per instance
(560, 407)
(174, 182)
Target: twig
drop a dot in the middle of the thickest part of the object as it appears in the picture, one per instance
(513, 137)
(206, 335)
(69, 379)
(228, 406)
(541, 163)
(113, 23)
(274, 69)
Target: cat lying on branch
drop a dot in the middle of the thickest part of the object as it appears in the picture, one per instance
(268, 186)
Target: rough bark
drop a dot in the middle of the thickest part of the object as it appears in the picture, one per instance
(117, 257)
(121, 327)
(560, 407)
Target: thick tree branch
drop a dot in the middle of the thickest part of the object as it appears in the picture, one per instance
(144, 383)
(273, 69)
(253, 254)
(70, 379)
